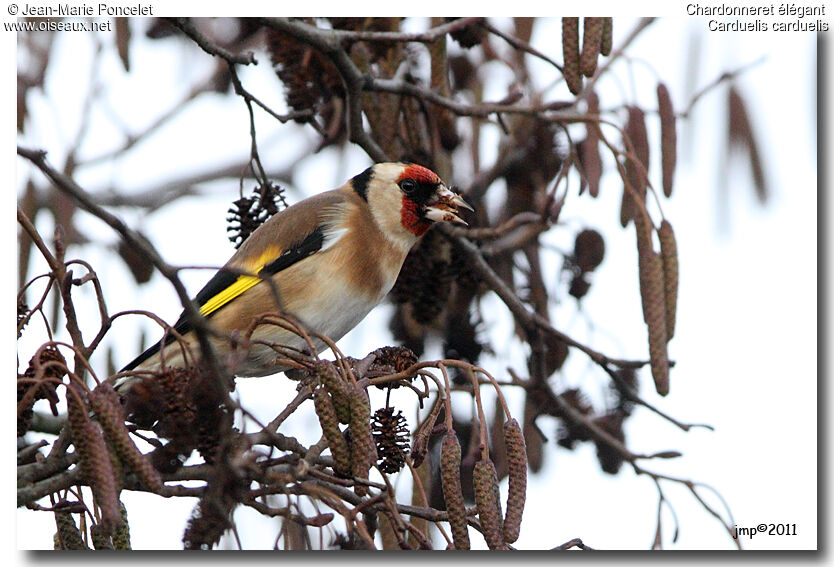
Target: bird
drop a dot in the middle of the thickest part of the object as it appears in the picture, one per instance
(331, 258)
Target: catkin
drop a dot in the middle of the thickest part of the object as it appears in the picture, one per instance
(337, 389)
(591, 40)
(570, 53)
(517, 471)
(97, 470)
(100, 537)
(668, 137)
(635, 131)
(68, 536)
(362, 449)
(607, 40)
(121, 537)
(488, 501)
(655, 311)
(592, 162)
(643, 228)
(452, 492)
(330, 427)
(669, 253)
(104, 401)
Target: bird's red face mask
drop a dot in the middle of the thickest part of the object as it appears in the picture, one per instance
(427, 200)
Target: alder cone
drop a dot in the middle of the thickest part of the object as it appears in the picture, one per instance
(517, 471)
(488, 501)
(669, 253)
(452, 492)
(591, 43)
(668, 137)
(570, 52)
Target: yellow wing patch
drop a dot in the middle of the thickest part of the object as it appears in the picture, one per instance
(242, 283)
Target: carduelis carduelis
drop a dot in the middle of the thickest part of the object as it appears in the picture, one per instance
(332, 258)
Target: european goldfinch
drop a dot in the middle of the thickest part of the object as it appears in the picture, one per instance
(332, 258)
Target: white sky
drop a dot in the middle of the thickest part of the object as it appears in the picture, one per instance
(746, 337)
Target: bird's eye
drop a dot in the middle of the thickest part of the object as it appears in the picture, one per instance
(408, 186)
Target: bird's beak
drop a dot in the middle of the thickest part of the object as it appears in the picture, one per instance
(444, 206)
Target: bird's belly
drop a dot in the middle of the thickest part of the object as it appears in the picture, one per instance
(331, 315)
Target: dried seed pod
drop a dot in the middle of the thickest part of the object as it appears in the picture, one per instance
(49, 367)
(591, 39)
(569, 433)
(588, 250)
(591, 160)
(532, 437)
(452, 492)
(121, 537)
(570, 53)
(668, 137)
(517, 470)
(609, 459)
(248, 213)
(488, 501)
(335, 386)
(669, 253)
(104, 401)
(68, 536)
(362, 449)
(636, 177)
(390, 434)
(469, 36)
(607, 40)
(741, 136)
(22, 313)
(326, 413)
(420, 439)
(654, 307)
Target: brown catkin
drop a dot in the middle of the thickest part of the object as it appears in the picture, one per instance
(669, 253)
(97, 470)
(100, 537)
(121, 537)
(488, 501)
(591, 39)
(607, 40)
(636, 177)
(517, 471)
(668, 137)
(104, 401)
(362, 448)
(68, 535)
(452, 492)
(655, 312)
(337, 389)
(330, 427)
(570, 53)
(645, 249)
(592, 162)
